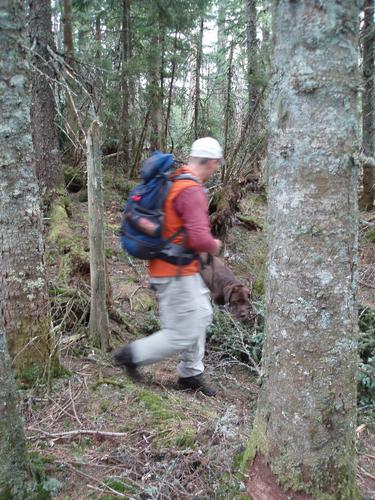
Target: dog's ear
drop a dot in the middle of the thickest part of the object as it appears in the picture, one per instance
(228, 290)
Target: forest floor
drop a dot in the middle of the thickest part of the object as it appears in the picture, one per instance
(98, 435)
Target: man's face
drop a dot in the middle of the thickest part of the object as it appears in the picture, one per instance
(211, 167)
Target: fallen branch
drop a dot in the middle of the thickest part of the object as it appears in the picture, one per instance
(365, 473)
(249, 223)
(367, 285)
(80, 432)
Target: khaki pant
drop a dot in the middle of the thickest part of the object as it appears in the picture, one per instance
(185, 313)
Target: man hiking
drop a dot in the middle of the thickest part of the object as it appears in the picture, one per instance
(184, 301)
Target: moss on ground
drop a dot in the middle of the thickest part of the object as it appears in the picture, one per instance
(370, 235)
(72, 250)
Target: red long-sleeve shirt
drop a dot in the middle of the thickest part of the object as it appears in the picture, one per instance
(191, 205)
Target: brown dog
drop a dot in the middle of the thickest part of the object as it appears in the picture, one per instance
(225, 287)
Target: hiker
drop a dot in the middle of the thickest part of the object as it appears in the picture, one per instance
(184, 300)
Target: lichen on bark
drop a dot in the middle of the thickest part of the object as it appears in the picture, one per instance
(24, 308)
(14, 473)
(307, 401)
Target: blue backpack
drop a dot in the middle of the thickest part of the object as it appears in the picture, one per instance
(143, 217)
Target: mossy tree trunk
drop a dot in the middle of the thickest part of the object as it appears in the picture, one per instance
(98, 309)
(43, 111)
(24, 304)
(368, 130)
(304, 430)
(14, 470)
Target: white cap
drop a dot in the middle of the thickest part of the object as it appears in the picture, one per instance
(206, 147)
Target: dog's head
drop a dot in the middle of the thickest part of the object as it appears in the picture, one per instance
(238, 298)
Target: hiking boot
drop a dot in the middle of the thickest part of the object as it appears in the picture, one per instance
(197, 383)
(123, 358)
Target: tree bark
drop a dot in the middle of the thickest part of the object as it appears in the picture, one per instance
(303, 438)
(154, 91)
(252, 51)
(43, 110)
(368, 34)
(170, 92)
(24, 303)
(139, 148)
(197, 92)
(14, 469)
(228, 104)
(68, 32)
(222, 40)
(162, 91)
(98, 310)
(72, 127)
(98, 37)
(125, 113)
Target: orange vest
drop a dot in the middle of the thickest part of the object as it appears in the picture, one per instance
(172, 223)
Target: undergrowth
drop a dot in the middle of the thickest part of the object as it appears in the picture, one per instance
(242, 343)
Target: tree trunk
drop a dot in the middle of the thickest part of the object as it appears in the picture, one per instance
(198, 66)
(13, 460)
(154, 91)
(98, 310)
(43, 111)
(124, 145)
(170, 93)
(25, 310)
(252, 51)
(72, 127)
(304, 431)
(222, 40)
(228, 104)
(68, 32)
(98, 37)
(139, 148)
(368, 33)
(162, 71)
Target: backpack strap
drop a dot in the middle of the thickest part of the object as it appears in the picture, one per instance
(182, 177)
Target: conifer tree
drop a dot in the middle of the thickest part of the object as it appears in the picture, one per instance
(303, 439)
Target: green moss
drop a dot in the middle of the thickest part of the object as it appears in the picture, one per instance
(156, 405)
(257, 443)
(113, 228)
(109, 252)
(60, 234)
(258, 285)
(290, 477)
(143, 301)
(120, 383)
(32, 348)
(292, 480)
(74, 178)
(233, 484)
(30, 376)
(370, 235)
(186, 439)
(74, 258)
(120, 485)
(83, 196)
